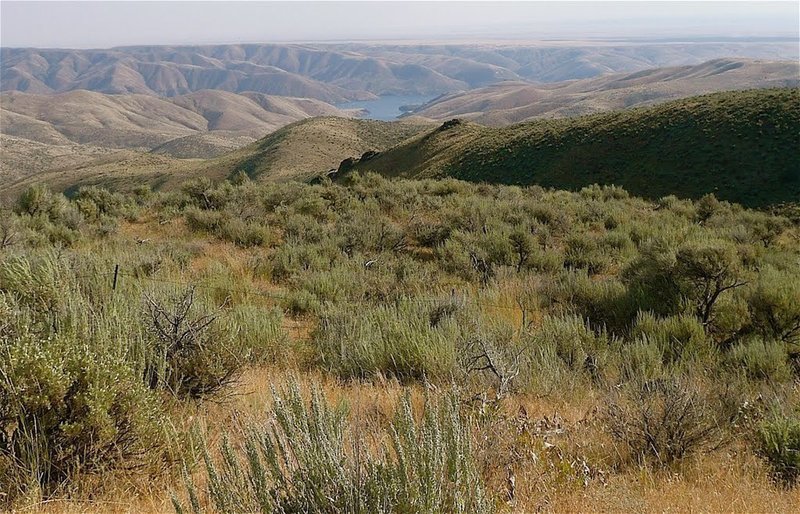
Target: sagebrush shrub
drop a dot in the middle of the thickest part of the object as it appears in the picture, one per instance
(663, 421)
(761, 359)
(194, 357)
(681, 338)
(67, 410)
(397, 340)
(306, 460)
(779, 443)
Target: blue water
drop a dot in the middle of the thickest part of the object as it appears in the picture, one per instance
(386, 108)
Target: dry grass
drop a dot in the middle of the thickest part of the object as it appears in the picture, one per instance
(550, 446)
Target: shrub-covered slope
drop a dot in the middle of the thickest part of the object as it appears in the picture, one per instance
(742, 146)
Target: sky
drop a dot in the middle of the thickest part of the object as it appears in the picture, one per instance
(70, 24)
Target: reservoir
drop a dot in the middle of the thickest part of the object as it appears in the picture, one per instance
(387, 108)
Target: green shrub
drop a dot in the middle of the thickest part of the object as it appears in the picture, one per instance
(430, 234)
(583, 252)
(397, 340)
(244, 234)
(203, 220)
(779, 444)
(642, 360)
(705, 270)
(775, 305)
(192, 356)
(651, 278)
(761, 359)
(38, 200)
(256, 333)
(605, 304)
(65, 410)
(681, 338)
(301, 302)
(575, 344)
(95, 202)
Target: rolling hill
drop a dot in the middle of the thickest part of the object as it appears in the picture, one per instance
(21, 157)
(742, 146)
(302, 150)
(512, 102)
(51, 132)
(144, 122)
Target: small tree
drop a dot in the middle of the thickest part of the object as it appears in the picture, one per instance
(705, 271)
(522, 245)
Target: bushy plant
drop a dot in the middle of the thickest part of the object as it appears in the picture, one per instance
(65, 410)
(761, 359)
(574, 343)
(779, 444)
(397, 340)
(306, 460)
(704, 271)
(681, 338)
(191, 356)
(775, 304)
(662, 421)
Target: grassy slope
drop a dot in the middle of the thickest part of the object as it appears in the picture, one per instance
(301, 150)
(742, 146)
(311, 147)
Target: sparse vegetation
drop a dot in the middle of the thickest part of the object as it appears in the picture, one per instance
(466, 314)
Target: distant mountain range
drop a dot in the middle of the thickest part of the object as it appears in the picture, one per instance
(513, 102)
(334, 73)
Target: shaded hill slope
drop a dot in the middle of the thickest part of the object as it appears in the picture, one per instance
(513, 102)
(742, 146)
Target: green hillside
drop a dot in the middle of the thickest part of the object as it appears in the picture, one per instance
(742, 146)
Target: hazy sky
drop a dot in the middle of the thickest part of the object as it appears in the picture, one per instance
(103, 24)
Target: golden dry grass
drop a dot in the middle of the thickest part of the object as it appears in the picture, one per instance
(542, 446)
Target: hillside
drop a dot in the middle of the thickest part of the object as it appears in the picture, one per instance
(43, 133)
(337, 72)
(22, 157)
(512, 102)
(312, 147)
(302, 150)
(742, 146)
